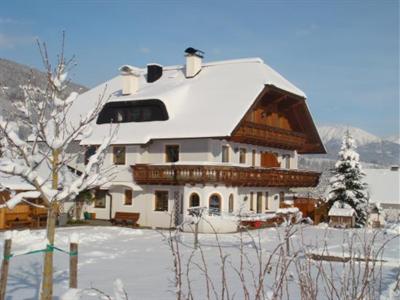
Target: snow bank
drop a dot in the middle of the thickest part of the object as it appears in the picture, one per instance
(209, 224)
(26, 241)
(289, 210)
(72, 294)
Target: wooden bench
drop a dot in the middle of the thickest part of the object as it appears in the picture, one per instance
(125, 218)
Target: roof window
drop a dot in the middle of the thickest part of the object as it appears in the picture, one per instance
(133, 111)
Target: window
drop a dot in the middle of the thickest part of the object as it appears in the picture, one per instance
(259, 202)
(281, 199)
(161, 199)
(133, 111)
(171, 153)
(266, 200)
(91, 150)
(119, 155)
(286, 161)
(194, 200)
(253, 158)
(100, 199)
(214, 205)
(251, 201)
(230, 203)
(225, 154)
(242, 155)
(128, 197)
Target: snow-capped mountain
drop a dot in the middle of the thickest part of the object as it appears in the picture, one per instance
(13, 75)
(373, 150)
(336, 133)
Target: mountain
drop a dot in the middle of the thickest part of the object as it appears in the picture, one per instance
(394, 139)
(13, 75)
(336, 133)
(374, 151)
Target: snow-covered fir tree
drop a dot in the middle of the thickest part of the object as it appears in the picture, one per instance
(346, 188)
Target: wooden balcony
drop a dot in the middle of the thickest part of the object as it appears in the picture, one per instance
(228, 175)
(260, 134)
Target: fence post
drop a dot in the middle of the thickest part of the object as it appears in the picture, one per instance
(73, 265)
(4, 268)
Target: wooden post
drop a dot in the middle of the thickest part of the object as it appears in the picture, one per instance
(73, 265)
(4, 268)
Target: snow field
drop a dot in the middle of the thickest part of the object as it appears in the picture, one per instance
(142, 260)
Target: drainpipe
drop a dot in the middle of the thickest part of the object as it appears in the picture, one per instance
(110, 195)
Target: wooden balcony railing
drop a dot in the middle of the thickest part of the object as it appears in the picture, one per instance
(254, 133)
(228, 175)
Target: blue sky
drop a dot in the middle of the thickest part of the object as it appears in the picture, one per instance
(343, 54)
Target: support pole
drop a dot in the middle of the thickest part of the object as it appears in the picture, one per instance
(4, 268)
(73, 265)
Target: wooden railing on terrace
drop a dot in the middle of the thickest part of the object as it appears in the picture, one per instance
(228, 175)
(250, 132)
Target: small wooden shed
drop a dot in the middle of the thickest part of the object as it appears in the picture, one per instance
(22, 215)
(342, 217)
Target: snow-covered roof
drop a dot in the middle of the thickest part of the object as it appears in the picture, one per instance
(14, 183)
(383, 185)
(210, 104)
(341, 212)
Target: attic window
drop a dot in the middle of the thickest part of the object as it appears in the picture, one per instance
(133, 111)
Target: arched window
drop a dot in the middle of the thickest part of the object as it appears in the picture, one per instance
(214, 204)
(231, 203)
(194, 200)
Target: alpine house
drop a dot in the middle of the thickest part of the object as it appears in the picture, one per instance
(222, 135)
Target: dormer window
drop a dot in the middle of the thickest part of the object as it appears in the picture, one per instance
(133, 111)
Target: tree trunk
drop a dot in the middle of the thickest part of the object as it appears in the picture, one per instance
(47, 283)
(196, 235)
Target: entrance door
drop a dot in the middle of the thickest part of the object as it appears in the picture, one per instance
(259, 202)
(214, 205)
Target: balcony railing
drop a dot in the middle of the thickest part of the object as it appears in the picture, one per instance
(228, 175)
(264, 134)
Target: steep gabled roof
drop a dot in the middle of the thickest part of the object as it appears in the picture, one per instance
(209, 105)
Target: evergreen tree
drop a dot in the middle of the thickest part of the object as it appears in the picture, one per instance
(346, 187)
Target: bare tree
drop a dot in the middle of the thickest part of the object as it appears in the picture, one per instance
(46, 112)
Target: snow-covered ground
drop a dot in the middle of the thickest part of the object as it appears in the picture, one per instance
(142, 259)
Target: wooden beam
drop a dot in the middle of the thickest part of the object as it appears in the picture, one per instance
(278, 100)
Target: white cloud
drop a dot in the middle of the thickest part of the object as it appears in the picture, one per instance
(144, 50)
(10, 42)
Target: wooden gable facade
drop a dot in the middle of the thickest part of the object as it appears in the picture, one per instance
(279, 119)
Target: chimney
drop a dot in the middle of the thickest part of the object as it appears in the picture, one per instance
(130, 79)
(194, 59)
(154, 72)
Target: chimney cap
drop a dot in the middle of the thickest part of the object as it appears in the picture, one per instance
(127, 70)
(193, 51)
